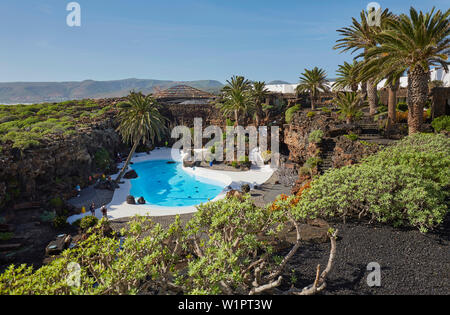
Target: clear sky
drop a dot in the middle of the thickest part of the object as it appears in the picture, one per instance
(177, 39)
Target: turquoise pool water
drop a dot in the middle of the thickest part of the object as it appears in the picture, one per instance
(167, 185)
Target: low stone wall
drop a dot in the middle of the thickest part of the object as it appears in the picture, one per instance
(348, 152)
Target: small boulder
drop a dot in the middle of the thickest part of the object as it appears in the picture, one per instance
(141, 201)
(245, 188)
(131, 200)
(131, 175)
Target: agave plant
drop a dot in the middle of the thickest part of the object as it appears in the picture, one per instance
(350, 105)
(313, 82)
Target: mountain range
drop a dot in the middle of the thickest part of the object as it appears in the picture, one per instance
(39, 92)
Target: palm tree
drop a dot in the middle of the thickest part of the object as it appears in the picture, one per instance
(139, 121)
(414, 44)
(374, 68)
(236, 97)
(348, 76)
(350, 105)
(362, 35)
(259, 94)
(313, 82)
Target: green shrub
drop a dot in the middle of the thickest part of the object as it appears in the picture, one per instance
(313, 162)
(56, 203)
(352, 136)
(102, 159)
(222, 250)
(441, 124)
(6, 236)
(311, 114)
(316, 136)
(60, 222)
(47, 216)
(88, 222)
(289, 115)
(406, 184)
(402, 107)
(230, 123)
(235, 164)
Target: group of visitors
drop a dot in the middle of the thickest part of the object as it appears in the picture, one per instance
(103, 209)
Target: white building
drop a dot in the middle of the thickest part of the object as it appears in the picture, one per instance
(436, 74)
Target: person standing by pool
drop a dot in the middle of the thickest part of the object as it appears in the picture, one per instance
(104, 211)
(92, 208)
(78, 189)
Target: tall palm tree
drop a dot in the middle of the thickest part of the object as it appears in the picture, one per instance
(236, 97)
(350, 105)
(259, 94)
(362, 36)
(415, 43)
(139, 121)
(348, 76)
(313, 82)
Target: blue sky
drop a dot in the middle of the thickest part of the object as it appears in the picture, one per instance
(177, 40)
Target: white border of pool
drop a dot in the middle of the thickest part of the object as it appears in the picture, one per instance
(118, 207)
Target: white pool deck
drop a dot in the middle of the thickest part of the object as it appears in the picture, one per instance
(118, 207)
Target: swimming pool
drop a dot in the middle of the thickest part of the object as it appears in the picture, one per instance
(166, 184)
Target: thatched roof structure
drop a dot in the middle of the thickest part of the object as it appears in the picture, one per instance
(183, 92)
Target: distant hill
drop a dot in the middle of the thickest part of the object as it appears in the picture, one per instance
(38, 92)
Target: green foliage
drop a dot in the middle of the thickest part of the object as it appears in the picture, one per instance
(235, 164)
(102, 159)
(441, 124)
(352, 136)
(313, 162)
(60, 221)
(316, 136)
(350, 105)
(289, 115)
(311, 114)
(88, 222)
(233, 227)
(6, 236)
(230, 123)
(56, 203)
(223, 249)
(47, 216)
(402, 107)
(406, 184)
(26, 126)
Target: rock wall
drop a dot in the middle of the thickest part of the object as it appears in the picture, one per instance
(348, 152)
(335, 150)
(56, 167)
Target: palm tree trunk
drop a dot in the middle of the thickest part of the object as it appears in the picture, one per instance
(364, 90)
(258, 114)
(236, 118)
(392, 106)
(313, 103)
(372, 97)
(417, 97)
(124, 168)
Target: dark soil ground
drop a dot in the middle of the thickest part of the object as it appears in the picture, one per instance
(411, 263)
